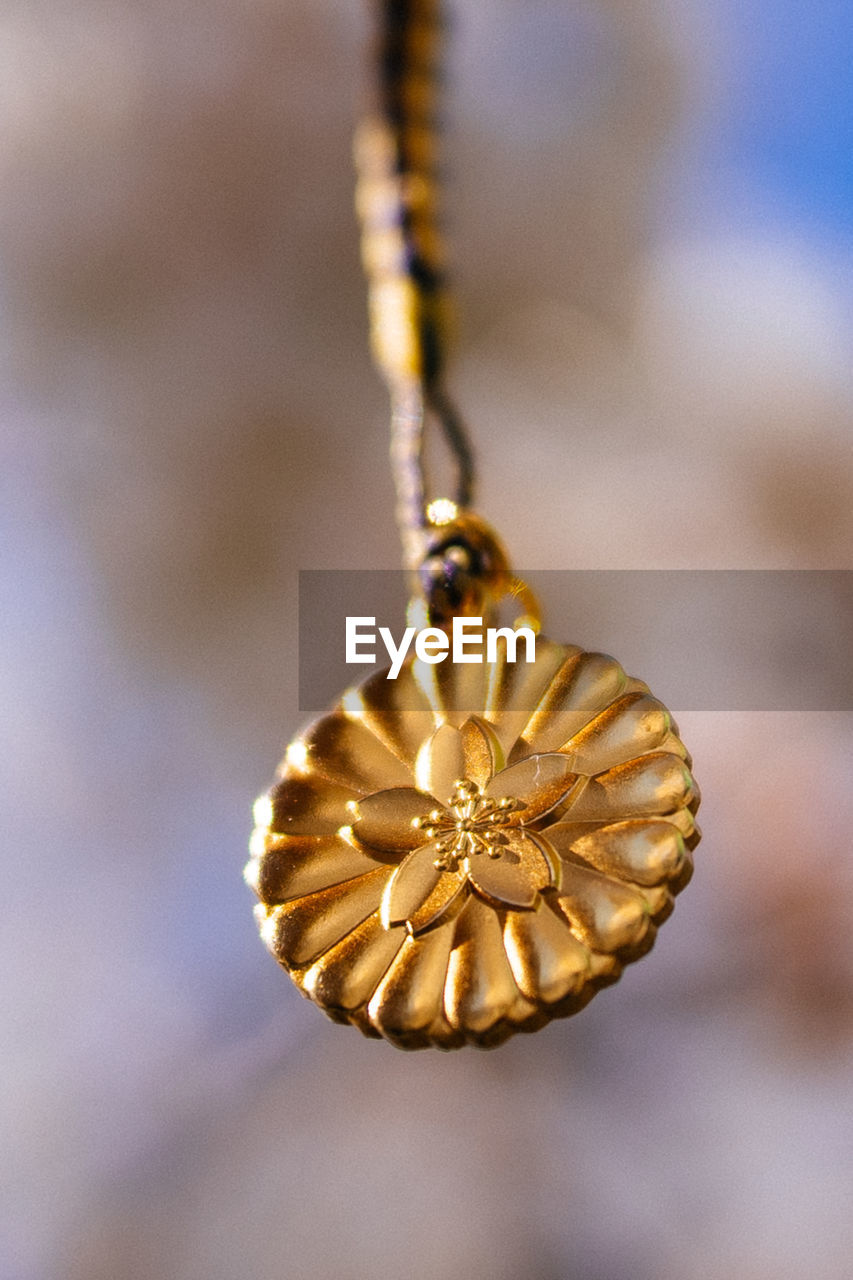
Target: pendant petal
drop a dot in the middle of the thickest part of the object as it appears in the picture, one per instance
(539, 783)
(409, 997)
(629, 727)
(384, 821)
(441, 763)
(348, 974)
(645, 851)
(515, 878)
(396, 711)
(482, 751)
(345, 751)
(309, 806)
(453, 689)
(442, 904)
(480, 988)
(584, 685)
(654, 785)
(570, 830)
(516, 687)
(301, 931)
(547, 960)
(290, 867)
(414, 883)
(606, 914)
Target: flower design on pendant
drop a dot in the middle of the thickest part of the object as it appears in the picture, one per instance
(470, 829)
(467, 852)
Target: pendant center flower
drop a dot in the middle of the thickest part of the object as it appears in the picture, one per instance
(471, 824)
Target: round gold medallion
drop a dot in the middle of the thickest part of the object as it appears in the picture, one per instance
(471, 850)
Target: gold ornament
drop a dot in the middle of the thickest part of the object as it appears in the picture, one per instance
(439, 877)
(468, 850)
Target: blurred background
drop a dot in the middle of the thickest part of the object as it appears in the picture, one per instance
(651, 223)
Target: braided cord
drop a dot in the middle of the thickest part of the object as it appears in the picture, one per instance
(403, 252)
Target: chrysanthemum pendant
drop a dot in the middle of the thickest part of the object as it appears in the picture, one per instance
(469, 851)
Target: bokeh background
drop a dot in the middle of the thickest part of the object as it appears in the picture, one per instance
(651, 220)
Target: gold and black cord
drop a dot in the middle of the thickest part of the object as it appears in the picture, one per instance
(460, 564)
(397, 199)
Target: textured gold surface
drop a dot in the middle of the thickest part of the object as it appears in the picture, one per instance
(469, 851)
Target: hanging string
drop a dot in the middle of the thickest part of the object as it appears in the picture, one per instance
(403, 254)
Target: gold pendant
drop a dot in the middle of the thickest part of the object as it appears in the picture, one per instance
(467, 850)
(471, 850)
